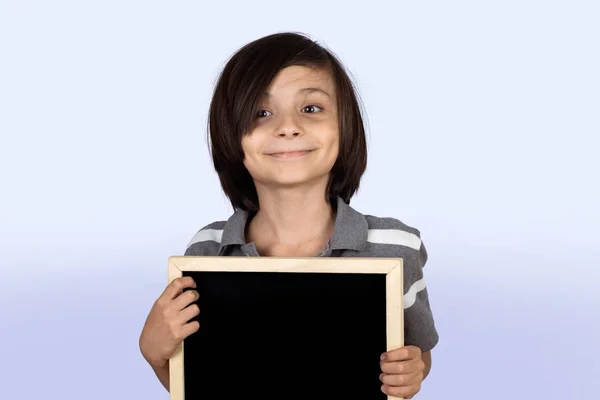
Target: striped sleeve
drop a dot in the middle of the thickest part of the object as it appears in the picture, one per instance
(420, 329)
(206, 241)
(390, 237)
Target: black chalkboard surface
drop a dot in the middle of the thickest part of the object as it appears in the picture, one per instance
(283, 328)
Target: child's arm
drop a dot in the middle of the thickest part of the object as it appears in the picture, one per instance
(162, 373)
(427, 360)
(404, 369)
(168, 324)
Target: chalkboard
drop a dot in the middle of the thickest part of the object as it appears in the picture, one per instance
(288, 328)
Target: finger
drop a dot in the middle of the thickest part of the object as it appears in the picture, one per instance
(185, 299)
(402, 353)
(401, 379)
(405, 392)
(177, 286)
(190, 328)
(402, 367)
(188, 313)
(186, 330)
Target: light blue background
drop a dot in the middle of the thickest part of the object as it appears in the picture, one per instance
(484, 120)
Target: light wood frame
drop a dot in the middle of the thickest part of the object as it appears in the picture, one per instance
(391, 267)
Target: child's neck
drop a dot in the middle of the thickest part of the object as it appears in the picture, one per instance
(294, 223)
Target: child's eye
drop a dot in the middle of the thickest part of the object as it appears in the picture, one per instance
(311, 109)
(262, 114)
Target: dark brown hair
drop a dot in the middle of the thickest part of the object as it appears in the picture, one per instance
(236, 99)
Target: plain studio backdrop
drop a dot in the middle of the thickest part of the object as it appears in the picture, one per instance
(483, 122)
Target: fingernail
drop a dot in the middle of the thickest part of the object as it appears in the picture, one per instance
(383, 357)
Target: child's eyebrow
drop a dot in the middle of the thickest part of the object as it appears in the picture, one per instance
(307, 90)
(310, 90)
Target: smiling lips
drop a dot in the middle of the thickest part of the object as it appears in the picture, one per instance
(290, 154)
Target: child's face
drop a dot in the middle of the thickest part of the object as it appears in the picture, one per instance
(295, 139)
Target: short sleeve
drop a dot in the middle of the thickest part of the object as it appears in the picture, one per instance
(419, 328)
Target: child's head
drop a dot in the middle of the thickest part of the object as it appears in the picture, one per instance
(279, 94)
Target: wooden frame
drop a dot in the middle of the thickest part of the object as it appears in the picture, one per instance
(391, 267)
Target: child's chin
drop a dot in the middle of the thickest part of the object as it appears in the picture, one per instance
(294, 180)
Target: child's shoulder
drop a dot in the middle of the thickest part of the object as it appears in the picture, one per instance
(392, 228)
(382, 222)
(389, 236)
(207, 240)
(390, 223)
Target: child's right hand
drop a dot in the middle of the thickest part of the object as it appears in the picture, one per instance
(167, 323)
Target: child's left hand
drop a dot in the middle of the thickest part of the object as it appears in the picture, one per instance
(402, 372)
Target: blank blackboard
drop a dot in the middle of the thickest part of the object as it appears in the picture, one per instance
(288, 328)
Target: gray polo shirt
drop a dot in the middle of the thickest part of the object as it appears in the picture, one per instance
(355, 235)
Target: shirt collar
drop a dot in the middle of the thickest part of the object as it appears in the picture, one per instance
(350, 230)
